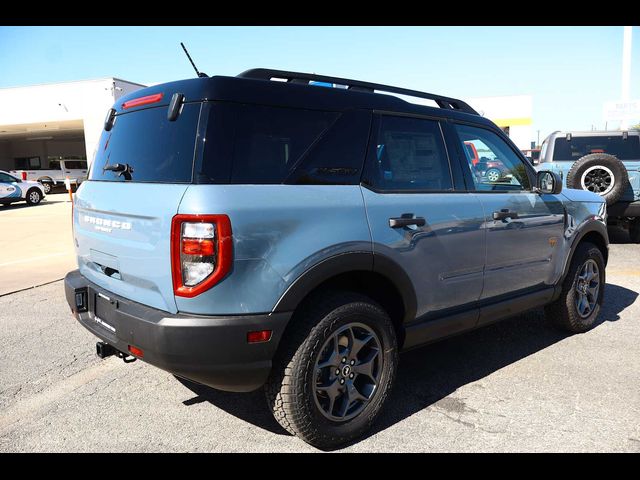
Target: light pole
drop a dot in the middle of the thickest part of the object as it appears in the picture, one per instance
(626, 70)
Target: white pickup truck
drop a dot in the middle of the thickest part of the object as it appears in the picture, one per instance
(56, 174)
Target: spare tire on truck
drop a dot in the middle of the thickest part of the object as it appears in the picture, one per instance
(599, 173)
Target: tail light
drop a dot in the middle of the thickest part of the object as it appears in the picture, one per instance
(201, 252)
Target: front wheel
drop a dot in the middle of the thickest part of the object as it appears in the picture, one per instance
(579, 304)
(334, 370)
(34, 196)
(493, 175)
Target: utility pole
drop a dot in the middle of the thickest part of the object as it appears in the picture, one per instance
(626, 70)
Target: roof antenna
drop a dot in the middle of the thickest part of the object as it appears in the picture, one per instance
(200, 74)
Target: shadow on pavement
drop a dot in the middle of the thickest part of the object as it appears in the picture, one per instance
(429, 374)
(618, 235)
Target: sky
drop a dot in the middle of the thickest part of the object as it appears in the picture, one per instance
(569, 71)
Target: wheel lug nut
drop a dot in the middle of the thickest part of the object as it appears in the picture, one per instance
(342, 381)
(351, 376)
(344, 359)
(353, 362)
(337, 371)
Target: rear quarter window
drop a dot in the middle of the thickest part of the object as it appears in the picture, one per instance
(256, 144)
(158, 150)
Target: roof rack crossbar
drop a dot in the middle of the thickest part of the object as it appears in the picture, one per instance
(356, 85)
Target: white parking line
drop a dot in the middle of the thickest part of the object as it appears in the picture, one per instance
(33, 259)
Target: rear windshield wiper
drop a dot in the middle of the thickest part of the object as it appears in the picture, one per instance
(121, 169)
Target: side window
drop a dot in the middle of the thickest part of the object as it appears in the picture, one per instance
(75, 164)
(256, 144)
(270, 140)
(27, 163)
(337, 158)
(409, 155)
(5, 178)
(494, 166)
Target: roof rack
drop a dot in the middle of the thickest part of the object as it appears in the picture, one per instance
(356, 85)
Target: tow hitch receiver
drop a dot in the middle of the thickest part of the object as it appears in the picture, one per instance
(104, 350)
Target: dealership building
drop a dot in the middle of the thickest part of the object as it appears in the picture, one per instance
(512, 113)
(41, 123)
(47, 122)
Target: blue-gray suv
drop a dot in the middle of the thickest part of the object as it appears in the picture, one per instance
(297, 231)
(603, 162)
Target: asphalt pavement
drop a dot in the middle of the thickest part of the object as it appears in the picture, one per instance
(519, 385)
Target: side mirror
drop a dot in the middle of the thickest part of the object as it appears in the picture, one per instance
(548, 182)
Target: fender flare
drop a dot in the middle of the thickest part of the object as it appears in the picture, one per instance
(345, 263)
(597, 227)
(46, 179)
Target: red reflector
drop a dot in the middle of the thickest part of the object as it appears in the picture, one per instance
(136, 102)
(136, 351)
(24, 175)
(260, 336)
(196, 246)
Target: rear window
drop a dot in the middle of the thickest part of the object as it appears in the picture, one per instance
(569, 150)
(156, 149)
(255, 144)
(75, 164)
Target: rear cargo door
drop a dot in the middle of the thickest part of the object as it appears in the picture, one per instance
(122, 219)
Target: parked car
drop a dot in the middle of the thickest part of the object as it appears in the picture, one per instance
(491, 168)
(55, 175)
(13, 189)
(603, 162)
(242, 232)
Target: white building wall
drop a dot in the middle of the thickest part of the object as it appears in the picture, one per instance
(513, 111)
(86, 100)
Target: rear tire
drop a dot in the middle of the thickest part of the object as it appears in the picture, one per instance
(316, 395)
(34, 196)
(47, 187)
(577, 309)
(634, 230)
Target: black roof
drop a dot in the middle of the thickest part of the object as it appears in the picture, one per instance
(257, 87)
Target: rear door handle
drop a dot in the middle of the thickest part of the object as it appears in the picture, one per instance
(400, 222)
(504, 214)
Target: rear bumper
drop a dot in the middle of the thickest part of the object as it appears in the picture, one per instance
(624, 209)
(208, 350)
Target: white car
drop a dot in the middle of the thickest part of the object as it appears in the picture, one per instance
(12, 189)
(56, 173)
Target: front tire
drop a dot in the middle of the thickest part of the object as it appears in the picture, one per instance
(493, 175)
(577, 309)
(334, 369)
(34, 196)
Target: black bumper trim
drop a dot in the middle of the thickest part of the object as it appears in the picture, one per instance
(208, 350)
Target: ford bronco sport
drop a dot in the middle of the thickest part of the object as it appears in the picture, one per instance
(603, 162)
(243, 231)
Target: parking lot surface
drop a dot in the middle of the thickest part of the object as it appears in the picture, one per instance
(36, 245)
(519, 385)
